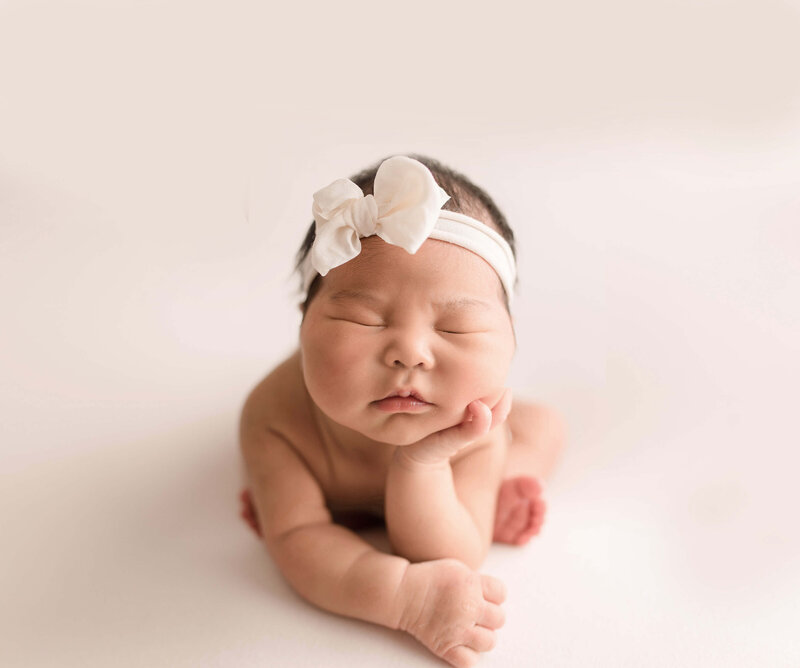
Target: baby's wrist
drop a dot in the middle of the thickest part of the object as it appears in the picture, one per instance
(406, 458)
(411, 595)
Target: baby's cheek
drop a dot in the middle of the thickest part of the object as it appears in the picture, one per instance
(484, 373)
(470, 386)
(329, 365)
(489, 389)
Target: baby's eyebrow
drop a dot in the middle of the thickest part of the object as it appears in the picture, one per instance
(348, 294)
(459, 303)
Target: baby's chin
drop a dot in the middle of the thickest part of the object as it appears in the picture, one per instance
(406, 429)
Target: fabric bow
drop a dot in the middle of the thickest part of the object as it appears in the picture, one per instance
(402, 212)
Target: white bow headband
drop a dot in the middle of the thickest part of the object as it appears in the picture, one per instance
(404, 211)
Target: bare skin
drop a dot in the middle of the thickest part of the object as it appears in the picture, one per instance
(448, 606)
(537, 439)
(395, 405)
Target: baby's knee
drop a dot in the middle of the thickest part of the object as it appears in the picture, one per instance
(529, 418)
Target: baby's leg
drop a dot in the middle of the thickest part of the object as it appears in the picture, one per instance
(537, 438)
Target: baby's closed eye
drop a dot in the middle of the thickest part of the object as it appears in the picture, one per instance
(461, 326)
(450, 324)
(362, 317)
(363, 322)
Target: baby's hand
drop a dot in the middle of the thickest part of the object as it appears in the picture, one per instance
(452, 610)
(442, 445)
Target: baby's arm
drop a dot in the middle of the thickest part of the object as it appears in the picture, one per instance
(449, 608)
(436, 508)
(324, 562)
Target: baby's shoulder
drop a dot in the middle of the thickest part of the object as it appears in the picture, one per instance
(279, 402)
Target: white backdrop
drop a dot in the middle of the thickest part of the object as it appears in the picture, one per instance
(157, 161)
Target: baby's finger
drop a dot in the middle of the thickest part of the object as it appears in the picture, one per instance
(443, 444)
(476, 422)
(492, 616)
(494, 590)
(480, 639)
(502, 408)
(461, 657)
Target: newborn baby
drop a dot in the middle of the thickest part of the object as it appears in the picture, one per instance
(394, 408)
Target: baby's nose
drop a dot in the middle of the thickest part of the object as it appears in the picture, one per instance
(401, 364)
(409, 353)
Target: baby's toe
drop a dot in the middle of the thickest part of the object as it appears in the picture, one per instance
(519, 517)
(538, 510)
(528, 487)
(514, 520)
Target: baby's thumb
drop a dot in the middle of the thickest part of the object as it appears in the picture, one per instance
(478, 419)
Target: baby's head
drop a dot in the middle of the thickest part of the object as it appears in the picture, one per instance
(398, 311)
(465, 197)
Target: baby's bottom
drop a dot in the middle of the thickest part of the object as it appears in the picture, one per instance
(537, 438)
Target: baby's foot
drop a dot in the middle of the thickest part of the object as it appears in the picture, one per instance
(248, 512)
(520, 510)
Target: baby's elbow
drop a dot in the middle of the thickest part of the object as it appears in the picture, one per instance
(475, 558)
(471, 556)
(474, 561)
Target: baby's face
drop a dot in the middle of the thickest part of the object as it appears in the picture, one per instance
(387, 322)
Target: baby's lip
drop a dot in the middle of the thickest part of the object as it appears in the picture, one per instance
(406, 392)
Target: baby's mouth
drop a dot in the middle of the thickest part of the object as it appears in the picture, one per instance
(402, 401)
(405, 394)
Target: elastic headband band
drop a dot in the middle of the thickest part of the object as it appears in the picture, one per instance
(457, 228)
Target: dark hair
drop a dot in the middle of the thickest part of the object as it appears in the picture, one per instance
(465, 197)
